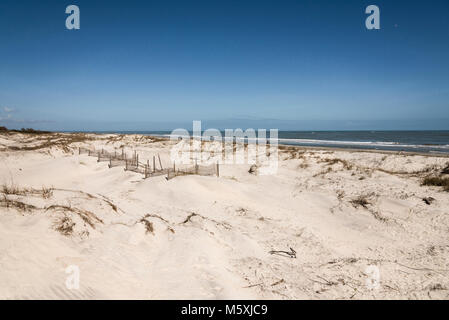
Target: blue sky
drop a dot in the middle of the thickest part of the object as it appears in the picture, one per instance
(150, 65)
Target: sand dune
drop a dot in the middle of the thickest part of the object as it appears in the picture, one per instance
(197, 237)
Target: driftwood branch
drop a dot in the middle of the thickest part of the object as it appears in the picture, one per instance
(291, 253)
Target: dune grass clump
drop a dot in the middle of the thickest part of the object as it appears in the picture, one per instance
(364, 202)
(12, 189)
(253, 169)
(64, 225)
(445, 170)
(437, 182)
(88, 217)
(303, 165)
(148, 225)
(360, 201)
(18, 205)
(346, 165)
(47, 193)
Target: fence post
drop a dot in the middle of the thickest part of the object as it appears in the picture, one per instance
(154, 164)
(196, 166)
(110, 162)
(79, 150)
(160, 163)
(174, 166)
(98, 157)
(137, 161)
(218, 169)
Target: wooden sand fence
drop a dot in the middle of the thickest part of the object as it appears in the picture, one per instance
(201, 170)
(146, 169)
(133, 164)
(103, 155)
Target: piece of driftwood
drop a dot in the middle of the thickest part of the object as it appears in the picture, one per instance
(277, 282)
(428, 200)
(291, 253)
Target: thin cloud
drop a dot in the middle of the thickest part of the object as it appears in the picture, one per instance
(6, 114)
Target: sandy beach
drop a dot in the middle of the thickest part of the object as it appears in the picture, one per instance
(330, 224)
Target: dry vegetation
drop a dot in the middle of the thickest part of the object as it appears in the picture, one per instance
(23, 130)
(14, 197)
(64, 225)
(12, 189)
(148, 225)
(88, 217)
(366, 202)
(437, 182)
(253, 169)
(31, 140)
(437, 178)
(361, 201)
(5, 202)
(445, 170)
(330, 162)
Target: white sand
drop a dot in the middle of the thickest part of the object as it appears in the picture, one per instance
(222, 252)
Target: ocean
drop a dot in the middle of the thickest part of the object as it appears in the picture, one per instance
(412, 141)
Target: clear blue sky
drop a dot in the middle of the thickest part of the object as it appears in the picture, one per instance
(134, 63)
